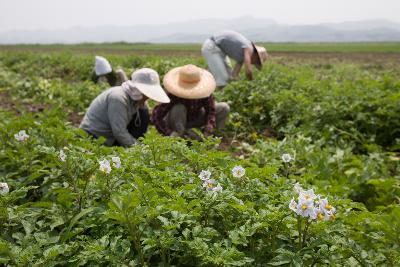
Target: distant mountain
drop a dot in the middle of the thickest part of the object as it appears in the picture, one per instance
(198, 30)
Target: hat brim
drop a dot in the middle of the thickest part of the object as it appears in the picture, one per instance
(201, 89)
(155, 92)
(259, 64)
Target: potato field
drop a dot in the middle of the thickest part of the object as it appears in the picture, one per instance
(323, 128)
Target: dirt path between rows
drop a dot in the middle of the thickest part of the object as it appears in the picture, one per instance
(8, 104)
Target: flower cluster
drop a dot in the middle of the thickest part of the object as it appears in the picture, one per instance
(286, 158)
(238, 171)
(21, 136)
(62, 156)
(312, 206)
(4, 189)
(208, 183)
(105, 165)
(116, 162)
(205, 175)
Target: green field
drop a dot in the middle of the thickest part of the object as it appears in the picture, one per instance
(339, 120)
(384, 47)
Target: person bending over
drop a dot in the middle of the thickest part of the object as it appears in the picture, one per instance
(119, 113)
(192, 105)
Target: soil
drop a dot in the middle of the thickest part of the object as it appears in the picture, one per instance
(7, 103)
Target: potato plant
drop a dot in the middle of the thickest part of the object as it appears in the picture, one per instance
(322, 191)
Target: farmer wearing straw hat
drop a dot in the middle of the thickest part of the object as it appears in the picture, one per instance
(119, 114)
(192, 104)
(230, 44)
(103, 73)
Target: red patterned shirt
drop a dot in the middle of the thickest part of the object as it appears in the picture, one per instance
(193, 107)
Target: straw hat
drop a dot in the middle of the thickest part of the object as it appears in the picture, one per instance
(262, 55)
(189, 82)
(102, 66)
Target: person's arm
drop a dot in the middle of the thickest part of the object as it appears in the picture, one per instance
(119, 120)
(121, 76)
(210, 112)
(158, 115)
(236, 70)
(247, 63)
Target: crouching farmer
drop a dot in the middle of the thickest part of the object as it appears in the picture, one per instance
(119, 114)
(192, 104)
(104, 73)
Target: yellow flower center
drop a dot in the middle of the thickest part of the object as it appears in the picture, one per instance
(210, 185)
(328, 207)
(320, 216)
(303, 207)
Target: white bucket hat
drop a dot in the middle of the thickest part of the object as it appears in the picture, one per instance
(102, 66)
(189, 82)
(147, 82)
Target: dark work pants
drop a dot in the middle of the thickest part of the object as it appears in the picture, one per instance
(139, 131)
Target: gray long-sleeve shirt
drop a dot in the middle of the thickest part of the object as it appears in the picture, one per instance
(232, 44)
(109, 115)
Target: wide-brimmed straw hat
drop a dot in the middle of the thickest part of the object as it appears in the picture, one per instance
(189, 82)
(147, 82)
(261, 54)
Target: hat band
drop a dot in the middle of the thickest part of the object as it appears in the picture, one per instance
(187, 81)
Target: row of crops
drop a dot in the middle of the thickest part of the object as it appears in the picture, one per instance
(307, 173)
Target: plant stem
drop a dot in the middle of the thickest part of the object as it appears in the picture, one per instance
(83, 192)
(299, 230)
(305, 232)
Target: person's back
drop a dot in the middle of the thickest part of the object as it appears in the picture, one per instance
(232, 44)
(226, 45)
(104, 73)
(120, 113)
(97, 120)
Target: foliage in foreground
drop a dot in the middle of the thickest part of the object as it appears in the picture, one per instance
(153, 209)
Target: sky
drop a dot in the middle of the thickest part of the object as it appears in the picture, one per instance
(61, 14)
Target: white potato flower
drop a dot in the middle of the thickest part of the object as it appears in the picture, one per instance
(307, 195)
(4, 189)
(205, 175)
(293, 205)
(306, 209)
(238, 171)
(217, 188)
(21, 136)
(327, 209)
(317, 108)
(286, 158)
(209, 184)
(116, 162)
(311, 205)
(298, 189)
(62, 156)
(105, 166)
